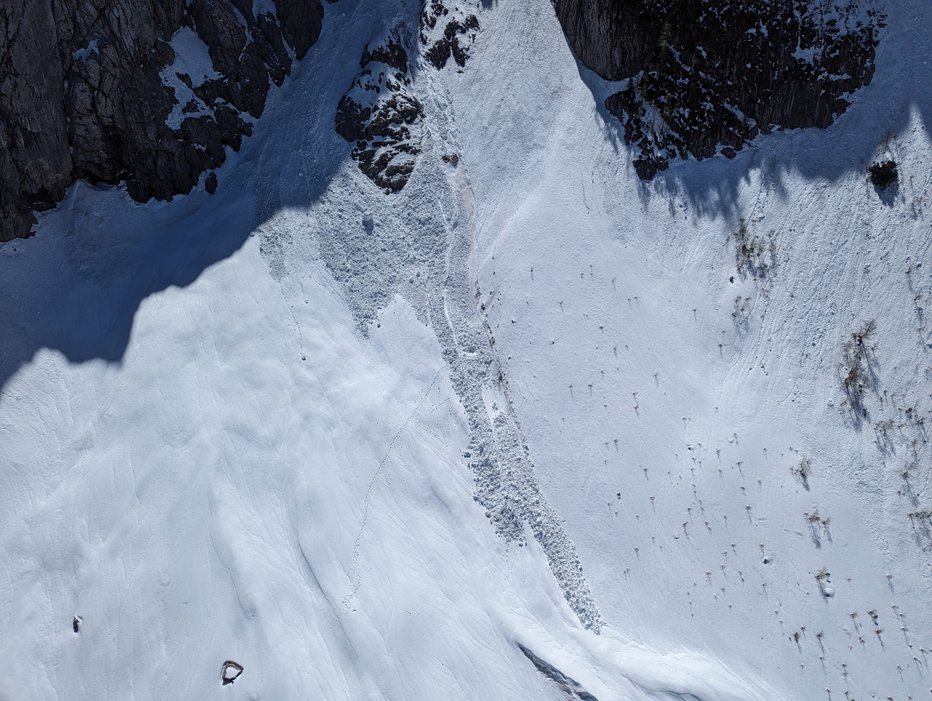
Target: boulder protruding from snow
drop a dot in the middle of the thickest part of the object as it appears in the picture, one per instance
(230, 672)
(883, 174)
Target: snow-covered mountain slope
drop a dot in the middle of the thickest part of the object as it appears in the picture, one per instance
(525, 429)
(669, 386)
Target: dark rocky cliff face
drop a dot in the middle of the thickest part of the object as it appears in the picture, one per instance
(107, 90)
(92, 89)
(707, 76)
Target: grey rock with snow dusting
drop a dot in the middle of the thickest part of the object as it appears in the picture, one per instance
(381, 115)
(705, 77)
(91, 90)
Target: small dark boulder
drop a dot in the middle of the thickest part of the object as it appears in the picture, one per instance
(230, 672)
(883, 174)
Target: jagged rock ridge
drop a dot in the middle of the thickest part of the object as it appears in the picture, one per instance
(95, 90)
(705, 77)
(571, 689)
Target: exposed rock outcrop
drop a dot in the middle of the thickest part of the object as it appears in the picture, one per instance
(447, 30)
(705, 77)
(381, 115)
(143, 92)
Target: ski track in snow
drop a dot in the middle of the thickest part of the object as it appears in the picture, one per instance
(357, 578)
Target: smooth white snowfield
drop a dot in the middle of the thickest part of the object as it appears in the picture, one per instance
(264, 461)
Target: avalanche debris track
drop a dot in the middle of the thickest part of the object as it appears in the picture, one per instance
(498, 453)
(418, 243)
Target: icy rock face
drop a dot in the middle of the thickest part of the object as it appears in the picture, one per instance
(705, 77)
(381, 114)
(113, 91)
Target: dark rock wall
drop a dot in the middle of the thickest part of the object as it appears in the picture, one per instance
(612, 37)
(707, 76)
(84, 93)
(88, 89)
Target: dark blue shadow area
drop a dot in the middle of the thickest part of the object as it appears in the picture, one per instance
(77, 291)
(76, 286)
(900, 90)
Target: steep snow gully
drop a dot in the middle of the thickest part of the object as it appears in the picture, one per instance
(472, 412)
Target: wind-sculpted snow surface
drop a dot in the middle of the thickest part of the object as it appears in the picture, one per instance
(525, 428)
(689, 361)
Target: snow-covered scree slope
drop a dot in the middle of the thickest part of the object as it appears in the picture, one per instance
(525, 429)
